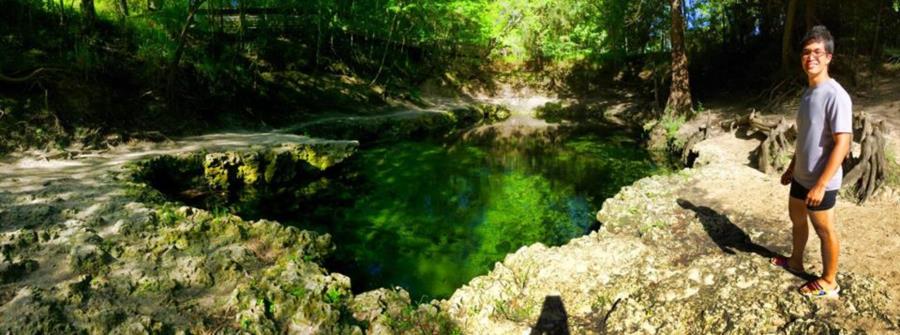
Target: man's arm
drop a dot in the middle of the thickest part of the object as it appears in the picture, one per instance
(789, 172)
(841, 147)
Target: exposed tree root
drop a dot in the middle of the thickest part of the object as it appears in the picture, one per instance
(778, 144)
(866, 173)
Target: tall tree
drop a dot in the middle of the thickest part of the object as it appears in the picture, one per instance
(786, 36)
(87, 9)
(810, 14)
(680, 92)
(123, 8)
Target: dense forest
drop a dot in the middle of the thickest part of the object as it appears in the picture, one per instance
(82, 69)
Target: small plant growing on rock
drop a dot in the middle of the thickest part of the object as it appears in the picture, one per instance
(168, 215)
(333, 295)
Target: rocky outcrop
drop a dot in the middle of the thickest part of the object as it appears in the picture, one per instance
(252, 179)
(663, 262)
(184, 269)
(153, 267)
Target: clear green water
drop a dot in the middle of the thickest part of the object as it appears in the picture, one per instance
(429, 217)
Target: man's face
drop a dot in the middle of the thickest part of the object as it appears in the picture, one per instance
(814, 58)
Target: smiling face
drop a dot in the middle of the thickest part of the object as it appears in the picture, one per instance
(815, 59)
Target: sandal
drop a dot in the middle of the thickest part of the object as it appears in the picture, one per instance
(813, 289)
(782, 262)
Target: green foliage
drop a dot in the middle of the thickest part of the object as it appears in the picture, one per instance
(297, 291)
(892, 169)
(672, 124)
(334, 295)
(168, 215)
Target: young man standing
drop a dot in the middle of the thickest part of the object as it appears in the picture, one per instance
(824, 133)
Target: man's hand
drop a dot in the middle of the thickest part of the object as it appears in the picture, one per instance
(815, 195)
(786, 176)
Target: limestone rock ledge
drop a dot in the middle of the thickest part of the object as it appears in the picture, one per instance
(133, 266)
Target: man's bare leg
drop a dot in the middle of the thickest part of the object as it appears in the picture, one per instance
(800, 232)
(823, 223)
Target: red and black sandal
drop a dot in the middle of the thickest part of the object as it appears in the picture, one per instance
(782, 262)
(813, 289)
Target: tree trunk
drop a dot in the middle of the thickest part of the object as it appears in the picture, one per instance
(680, 93)
(877, 49)
(123, 8)
(62, 13)
(386, 46)
(810, 14)
(179, 51)
(786, 45)
(182, 37)
(318, 33)
(87, 9)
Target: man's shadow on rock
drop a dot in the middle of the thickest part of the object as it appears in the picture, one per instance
(727, 236)
(553, 320)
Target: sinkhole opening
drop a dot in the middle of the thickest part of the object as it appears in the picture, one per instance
(427, 216)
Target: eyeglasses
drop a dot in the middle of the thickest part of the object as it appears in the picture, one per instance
(815, 53)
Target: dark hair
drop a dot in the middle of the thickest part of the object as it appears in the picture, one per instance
(819, 34)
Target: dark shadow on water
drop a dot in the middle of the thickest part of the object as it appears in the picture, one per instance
(553, 320)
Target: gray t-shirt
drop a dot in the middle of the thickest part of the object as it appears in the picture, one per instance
(824, 111)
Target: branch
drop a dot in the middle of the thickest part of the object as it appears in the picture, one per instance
(22, 79)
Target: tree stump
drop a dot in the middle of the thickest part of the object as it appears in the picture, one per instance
(866, 173)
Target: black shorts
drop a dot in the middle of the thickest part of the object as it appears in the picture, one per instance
(828, 200)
